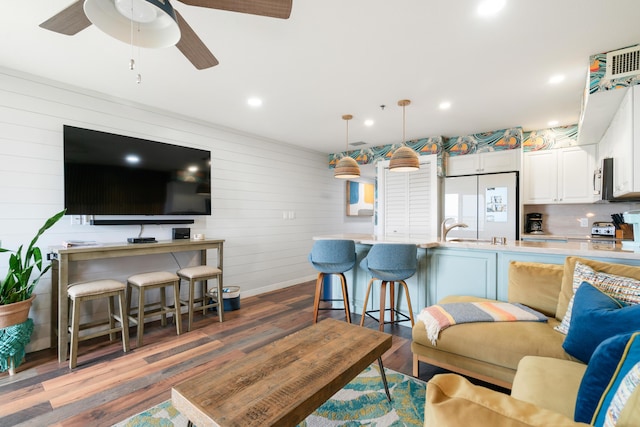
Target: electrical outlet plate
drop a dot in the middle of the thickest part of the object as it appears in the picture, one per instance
(584, 222)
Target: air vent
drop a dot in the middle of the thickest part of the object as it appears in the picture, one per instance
(623, 62)
(356, 144)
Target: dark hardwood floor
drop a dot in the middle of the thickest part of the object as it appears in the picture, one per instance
(109, 385)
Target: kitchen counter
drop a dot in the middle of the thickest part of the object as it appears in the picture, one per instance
(567, 237)
(585, 248)
(372, 239)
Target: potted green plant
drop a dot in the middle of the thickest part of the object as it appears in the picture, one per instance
(16, 289)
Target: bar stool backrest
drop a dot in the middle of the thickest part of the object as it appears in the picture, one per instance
(333, 256)
(391, 261)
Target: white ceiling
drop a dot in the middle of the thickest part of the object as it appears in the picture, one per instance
(335, 57)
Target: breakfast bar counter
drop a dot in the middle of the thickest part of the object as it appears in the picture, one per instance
(592, 248)
(471, 267)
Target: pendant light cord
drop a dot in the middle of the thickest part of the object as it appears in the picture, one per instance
(404, 117)
(347, 140)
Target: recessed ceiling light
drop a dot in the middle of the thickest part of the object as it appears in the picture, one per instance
(369, 122)
(254, 102)
(445, 105)
(558, 78)
(553, 123)
(192, 169)
(132, 158)
(490, 7)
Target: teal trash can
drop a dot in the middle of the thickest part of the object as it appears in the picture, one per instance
(230, 298)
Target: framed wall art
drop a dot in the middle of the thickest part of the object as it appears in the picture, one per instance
(360, 196)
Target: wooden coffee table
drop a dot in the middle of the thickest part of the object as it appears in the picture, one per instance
(282, 382)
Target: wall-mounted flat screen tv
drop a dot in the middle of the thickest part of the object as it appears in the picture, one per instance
(108, 174)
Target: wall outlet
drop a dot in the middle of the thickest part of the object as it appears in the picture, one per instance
(584, 222)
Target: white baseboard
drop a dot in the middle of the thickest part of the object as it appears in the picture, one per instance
(276, 286)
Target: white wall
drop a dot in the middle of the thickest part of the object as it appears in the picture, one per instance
(253, 181)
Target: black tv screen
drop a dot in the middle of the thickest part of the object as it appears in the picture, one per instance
(108, 174)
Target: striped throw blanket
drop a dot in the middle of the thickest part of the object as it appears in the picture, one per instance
(440, 316)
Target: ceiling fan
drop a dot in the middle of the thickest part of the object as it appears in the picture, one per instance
(163, 26)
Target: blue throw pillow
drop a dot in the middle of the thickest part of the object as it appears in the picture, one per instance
(620, 387)
(601, 368)
(597, 317)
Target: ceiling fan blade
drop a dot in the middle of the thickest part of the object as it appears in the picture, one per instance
(273, 8)
(70, 21)
(193, 48)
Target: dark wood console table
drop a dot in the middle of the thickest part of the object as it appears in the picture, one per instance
(63, 256)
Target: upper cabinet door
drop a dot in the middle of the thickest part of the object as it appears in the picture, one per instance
(576, 166)
(621, 141)
(563, 175)
(488, 162)
(540, 177)
(622, 146)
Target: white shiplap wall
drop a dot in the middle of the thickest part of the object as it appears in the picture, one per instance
(253, 182)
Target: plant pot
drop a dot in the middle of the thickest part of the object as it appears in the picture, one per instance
(13, 314)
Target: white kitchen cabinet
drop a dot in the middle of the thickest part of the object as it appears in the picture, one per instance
(621, 142)
(489, 162)
(563, 175)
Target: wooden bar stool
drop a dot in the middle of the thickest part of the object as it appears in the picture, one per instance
(145, 281)
(202, 274)
(80, 292)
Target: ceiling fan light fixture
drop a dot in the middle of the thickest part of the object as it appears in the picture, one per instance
(404, 159)
(347, 167)
(156, 20)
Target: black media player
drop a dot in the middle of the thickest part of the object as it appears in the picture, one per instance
(141, 240)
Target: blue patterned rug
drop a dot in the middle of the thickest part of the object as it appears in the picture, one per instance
(362, 402)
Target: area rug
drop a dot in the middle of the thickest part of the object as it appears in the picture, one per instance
(362, 402)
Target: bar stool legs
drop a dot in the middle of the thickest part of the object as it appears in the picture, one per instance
(392, 304)
(318, 294)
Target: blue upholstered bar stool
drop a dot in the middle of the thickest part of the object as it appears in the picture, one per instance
(389, 263)
(332, 257)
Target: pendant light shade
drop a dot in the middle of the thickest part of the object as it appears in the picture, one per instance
(153, 22)
(404, 159)
(347, 167)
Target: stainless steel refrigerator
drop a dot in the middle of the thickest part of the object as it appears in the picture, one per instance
(488, 204)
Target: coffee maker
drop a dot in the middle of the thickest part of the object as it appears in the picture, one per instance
(534, 223)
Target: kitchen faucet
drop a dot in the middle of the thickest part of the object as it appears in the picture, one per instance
(444, 229)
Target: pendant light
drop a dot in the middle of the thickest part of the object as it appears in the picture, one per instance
(347, 167)
(156, 20)
(404, 159)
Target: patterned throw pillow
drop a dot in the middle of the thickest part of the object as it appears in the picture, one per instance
(621, 288)
(624, 392)
(613, 408)
(601, 368)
